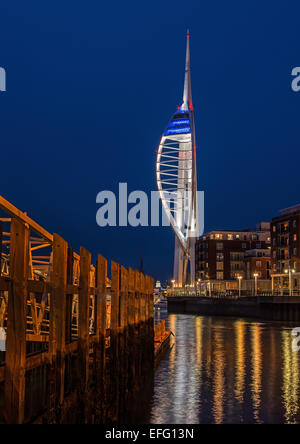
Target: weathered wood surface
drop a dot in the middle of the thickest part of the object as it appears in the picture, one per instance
(14, 388)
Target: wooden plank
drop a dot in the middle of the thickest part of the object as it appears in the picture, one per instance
(14, 388)
(124, 340)
(57, 346)
(84, 307)
(143, 297)
(22, 217)
(69, 297)
(114, 341)
(115, 296)
(124, 298)
(37, 338)
(100, 350)
(151, 314)
(3, 308)
(137, 297)
(101, 277)
(131, 296)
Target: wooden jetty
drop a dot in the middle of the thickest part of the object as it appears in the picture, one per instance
(79, 345)
(162, 341)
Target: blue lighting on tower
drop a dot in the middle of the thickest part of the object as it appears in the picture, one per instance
(178, 125)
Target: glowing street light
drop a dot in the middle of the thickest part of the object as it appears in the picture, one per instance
(199, 286)
(256, 275)
(290, 271)
(240, 284)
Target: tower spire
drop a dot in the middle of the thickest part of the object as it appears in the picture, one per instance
(187, 93)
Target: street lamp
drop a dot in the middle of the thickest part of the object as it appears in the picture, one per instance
(290, 271)
(173, 283)
(209, 288)
(256, 275)
(240, 285)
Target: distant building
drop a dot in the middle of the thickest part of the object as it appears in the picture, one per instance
(258, 261)
(221, 255)
(285, 235)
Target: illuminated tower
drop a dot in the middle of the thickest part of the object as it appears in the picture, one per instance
(176, 174)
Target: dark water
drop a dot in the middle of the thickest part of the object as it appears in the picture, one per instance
(227, 370)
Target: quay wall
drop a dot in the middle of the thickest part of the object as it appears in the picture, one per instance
(264, 308)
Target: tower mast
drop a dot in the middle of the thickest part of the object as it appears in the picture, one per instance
(176, 172)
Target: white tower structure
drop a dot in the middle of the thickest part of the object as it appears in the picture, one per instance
(176, 175)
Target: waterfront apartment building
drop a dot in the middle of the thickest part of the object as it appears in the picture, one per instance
(225, 255)
(258, 261)
(285, 238)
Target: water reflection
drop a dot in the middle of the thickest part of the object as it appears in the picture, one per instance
(290, 370)
(224, 370)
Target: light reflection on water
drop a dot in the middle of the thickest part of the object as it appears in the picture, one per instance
(227, 370)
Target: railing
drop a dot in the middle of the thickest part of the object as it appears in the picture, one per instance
(232, 294)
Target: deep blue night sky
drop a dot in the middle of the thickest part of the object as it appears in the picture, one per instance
(91, 86)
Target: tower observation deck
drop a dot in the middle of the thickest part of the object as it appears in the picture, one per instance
(176, 176)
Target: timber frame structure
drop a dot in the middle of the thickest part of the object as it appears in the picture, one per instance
(76, 341)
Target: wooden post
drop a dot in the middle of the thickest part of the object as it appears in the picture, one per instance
(147, 285)
(123, 344)
(100, 353)
(115, 297)
(70, 280)
(137, 297)
(138, 344)
(131, 322)
(124, 298)
(14, 389)
(57, 334)
(143, 298)
(83, 336)
(114, 337)
(131, 297)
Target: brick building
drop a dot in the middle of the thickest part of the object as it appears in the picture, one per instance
(285, 237)
(220, 255)
(258, 261)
